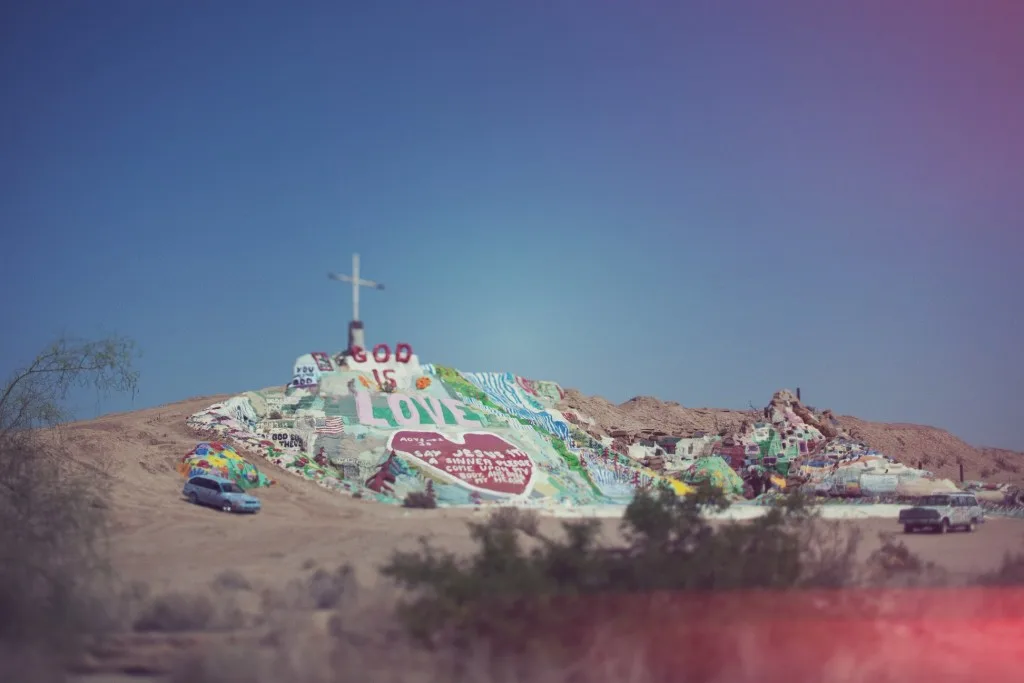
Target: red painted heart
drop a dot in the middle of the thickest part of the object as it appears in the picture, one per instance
(482, 461)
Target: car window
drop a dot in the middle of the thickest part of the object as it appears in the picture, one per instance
(231, 487)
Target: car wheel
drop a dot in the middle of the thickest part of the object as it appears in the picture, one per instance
(193, 498)
(226, 507)
(908, 529)
(969, 527)
(944, 527)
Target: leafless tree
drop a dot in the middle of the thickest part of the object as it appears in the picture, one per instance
(52, 521)
(33, 396)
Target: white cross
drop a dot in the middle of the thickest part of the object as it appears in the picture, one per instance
(356, 284)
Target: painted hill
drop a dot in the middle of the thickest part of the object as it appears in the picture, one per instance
(933, 448)
(387, 427)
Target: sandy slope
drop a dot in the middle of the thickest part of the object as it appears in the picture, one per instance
(162, 540)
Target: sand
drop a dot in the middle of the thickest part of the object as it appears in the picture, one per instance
(160, 539)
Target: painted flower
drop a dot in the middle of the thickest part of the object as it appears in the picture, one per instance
(365, 382)
(423, 383)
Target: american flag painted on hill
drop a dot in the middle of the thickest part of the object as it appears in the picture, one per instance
(331, 426)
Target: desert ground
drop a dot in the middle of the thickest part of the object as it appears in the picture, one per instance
(162, 542)
(159, 539)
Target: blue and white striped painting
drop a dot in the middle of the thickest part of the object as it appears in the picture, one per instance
(503, 389)
(615, 485)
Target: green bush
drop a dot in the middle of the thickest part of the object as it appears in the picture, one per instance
(176, 612)
(57, 585)
(420, 499)
(1010, 573)
(515, 590)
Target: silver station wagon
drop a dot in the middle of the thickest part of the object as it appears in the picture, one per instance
(220, 493)
(942, 512)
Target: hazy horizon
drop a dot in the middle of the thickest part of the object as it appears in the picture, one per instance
(703, 202)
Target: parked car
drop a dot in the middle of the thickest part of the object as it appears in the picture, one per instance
(220, 493)
(943, 511)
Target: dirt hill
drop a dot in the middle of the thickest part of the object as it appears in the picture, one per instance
(164, 544)
(303, 522)
(141, 450)
(160, 543)
(937, 449)
(648, 413)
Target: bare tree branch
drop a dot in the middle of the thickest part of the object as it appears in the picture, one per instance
(33, 395)
(53, 555)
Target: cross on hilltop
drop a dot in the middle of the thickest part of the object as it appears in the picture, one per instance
(356, 336)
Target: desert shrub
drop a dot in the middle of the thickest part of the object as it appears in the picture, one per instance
(894, 565)
(55, 581)
(327, 589)
(513, 596)
(1005, 464)
(231, 579)
(174, 612)
(420, 499)
(321, 590)
(52, 551)
(206, 666)
(1010, 573)
(894, 557)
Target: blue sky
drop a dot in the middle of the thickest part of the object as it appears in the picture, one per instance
(700, 201)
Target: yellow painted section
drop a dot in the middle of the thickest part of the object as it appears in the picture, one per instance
(680, 488)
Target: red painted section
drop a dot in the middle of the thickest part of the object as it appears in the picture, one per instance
(527, 385)
(735, 454)
(883, 636)
(323, 361)
(484, 461)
